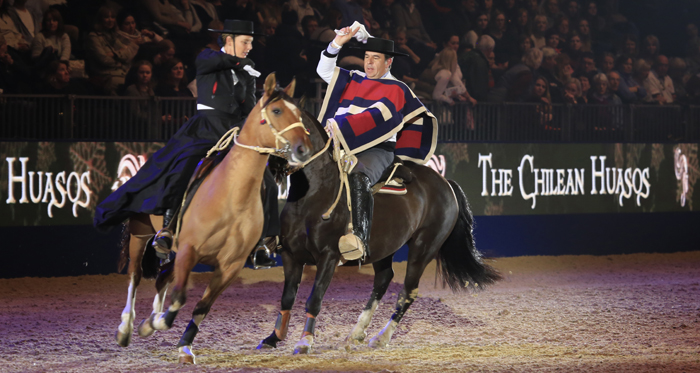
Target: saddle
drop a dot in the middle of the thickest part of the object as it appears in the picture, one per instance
(402, 175)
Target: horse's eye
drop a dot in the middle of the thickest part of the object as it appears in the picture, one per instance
(276, 111)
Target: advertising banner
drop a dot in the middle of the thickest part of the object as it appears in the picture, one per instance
(60, 183)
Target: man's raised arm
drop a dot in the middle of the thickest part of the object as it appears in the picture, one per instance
(326, 64)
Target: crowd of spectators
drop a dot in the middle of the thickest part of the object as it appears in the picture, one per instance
(543, 51)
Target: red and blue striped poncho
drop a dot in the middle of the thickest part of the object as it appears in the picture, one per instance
(368, 112)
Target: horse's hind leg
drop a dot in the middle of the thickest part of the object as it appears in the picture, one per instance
(165, 277)
(219, 282)
(383, 274)
(139, 235)
(292, 277)
(418, 258)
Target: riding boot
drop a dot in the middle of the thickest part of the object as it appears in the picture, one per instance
(355, 244)
(163, 241)
(260, 257)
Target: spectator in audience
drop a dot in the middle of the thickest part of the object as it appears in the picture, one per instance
(399, 37)
(129, 34)
(574, 50)
(207, 10)
(27, 22)
(15, 75)
(52, 43)
(108, 59)
(57, 81)
(587, 65)
(331, 21)
(165, 16)
(540, 95)
(564, 71)
(503, 39)
(448, 79)
(630, 91)
(515, 85)
(573, 9)
(641, 71)
(475, 66)
(650, 48)
(302, 8)
(486, 6)
(524, 45)
(381, 10)
(164, 52)
(11, 28)
(607, 62)
(600, 94)
(585, 86)
(285, 52)
(677, 72)
(523, 26)
(563, 30)
(629, 46)
(308, 26)
(174, 83)
(614, 83)
(572, 92)
(693, 60)
(552, 11)
(584, 32)
(142, 88)
(188, 14)
(407, 15)
(371, 24)
(548, 70)
(510, 9)
(658, 84)
(595, 21)
(351, 10)
(691, 31)
(482, 23)
(552, 39)
(538, 39)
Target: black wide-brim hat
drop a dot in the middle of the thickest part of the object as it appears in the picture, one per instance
(379, 45)
(238, 27)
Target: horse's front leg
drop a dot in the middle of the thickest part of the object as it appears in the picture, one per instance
(165, 277)
(185, 260)
(222, 278)
(383, 274)
(293, 271)
(324, 274)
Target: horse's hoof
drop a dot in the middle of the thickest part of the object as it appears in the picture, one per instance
(265, 346)
(146, 327)
(186, 356)
(377, 342)
(123, 339)
(304, 345)
(158, 321)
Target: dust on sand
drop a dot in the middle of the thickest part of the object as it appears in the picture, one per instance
(623, 313)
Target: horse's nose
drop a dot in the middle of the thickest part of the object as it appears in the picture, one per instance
(302, 152)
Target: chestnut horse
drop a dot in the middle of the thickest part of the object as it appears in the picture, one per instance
(433, 219)
(224, 218)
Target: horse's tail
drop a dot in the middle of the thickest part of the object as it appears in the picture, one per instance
(459, 262)
(150, 264)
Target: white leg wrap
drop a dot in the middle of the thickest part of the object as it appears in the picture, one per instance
(384, 337)
(185, 355)
(304, 345)
(358, 333)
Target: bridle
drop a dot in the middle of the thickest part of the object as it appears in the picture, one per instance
(283, 148)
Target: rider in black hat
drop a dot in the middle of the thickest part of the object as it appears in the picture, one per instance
(226, 95)
(372, 162)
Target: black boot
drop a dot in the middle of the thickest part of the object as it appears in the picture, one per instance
(163, 241)
(362, 202)
(260, 257)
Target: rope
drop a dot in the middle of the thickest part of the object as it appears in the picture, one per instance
(345, 165)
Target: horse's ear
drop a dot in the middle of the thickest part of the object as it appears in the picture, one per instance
(270, 84)
(290, 88)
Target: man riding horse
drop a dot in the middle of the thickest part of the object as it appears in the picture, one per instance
(226, 87)
(367, 111)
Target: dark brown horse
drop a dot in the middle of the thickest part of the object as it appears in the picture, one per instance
(433, 219)
(224, 219)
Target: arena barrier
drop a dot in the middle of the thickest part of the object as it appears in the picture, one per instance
(528, 198)
(100, 118)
